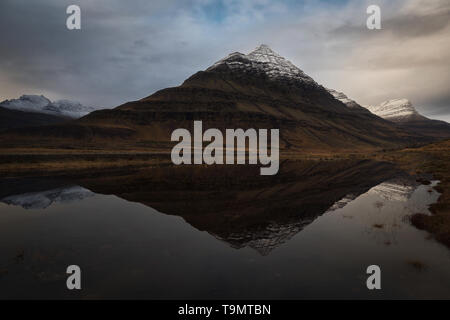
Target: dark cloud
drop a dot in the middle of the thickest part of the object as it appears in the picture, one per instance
(126, 50)
(119, 54)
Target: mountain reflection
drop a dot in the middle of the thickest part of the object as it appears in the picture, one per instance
(233, 203)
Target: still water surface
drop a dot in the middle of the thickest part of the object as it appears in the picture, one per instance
(128, 249)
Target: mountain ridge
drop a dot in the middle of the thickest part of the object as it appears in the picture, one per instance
(396, 110)
(257, 90)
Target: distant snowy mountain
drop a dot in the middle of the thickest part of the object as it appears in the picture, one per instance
(396, 110)
(403, 113)
(40, 104)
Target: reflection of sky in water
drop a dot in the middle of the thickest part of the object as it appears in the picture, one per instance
(128, 250)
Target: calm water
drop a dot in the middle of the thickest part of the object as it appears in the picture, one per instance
(315, 241)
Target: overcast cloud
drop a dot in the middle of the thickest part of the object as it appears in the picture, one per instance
(127, 50)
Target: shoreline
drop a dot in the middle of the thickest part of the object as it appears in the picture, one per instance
(433, 159)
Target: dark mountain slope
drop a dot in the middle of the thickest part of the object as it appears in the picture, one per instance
(17, 119)
(261, 90)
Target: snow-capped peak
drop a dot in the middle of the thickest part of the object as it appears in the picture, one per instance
(395, 110)
(40, 104)
(266, 61)
(264, 54)
(27, 102)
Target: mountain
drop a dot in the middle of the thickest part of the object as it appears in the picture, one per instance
(260, 90)
(352, 104)
(396, 110)
(10, 118)
(256, 90)
(403, 113)
(40, 104)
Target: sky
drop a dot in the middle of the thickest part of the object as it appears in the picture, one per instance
(127, 50)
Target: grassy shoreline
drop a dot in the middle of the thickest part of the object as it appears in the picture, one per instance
(432, 159)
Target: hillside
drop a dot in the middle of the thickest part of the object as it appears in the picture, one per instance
(258, 90)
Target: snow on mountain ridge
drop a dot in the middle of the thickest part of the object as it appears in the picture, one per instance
(265, 60)
(69, 108)
(343, 98)
(41, 104)
(351, 104)
(394, 110)
(27, 103)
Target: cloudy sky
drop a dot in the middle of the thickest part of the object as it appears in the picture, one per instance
(126, 50)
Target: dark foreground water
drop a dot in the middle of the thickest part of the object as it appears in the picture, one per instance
(310, 233)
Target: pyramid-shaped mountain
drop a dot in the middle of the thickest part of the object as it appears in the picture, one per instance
(260, 90)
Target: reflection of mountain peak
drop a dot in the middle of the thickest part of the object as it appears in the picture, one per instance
(398, 189)
(237, 206)
(43, 199)
(266, 239)
(395, 190)
(342, 202)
